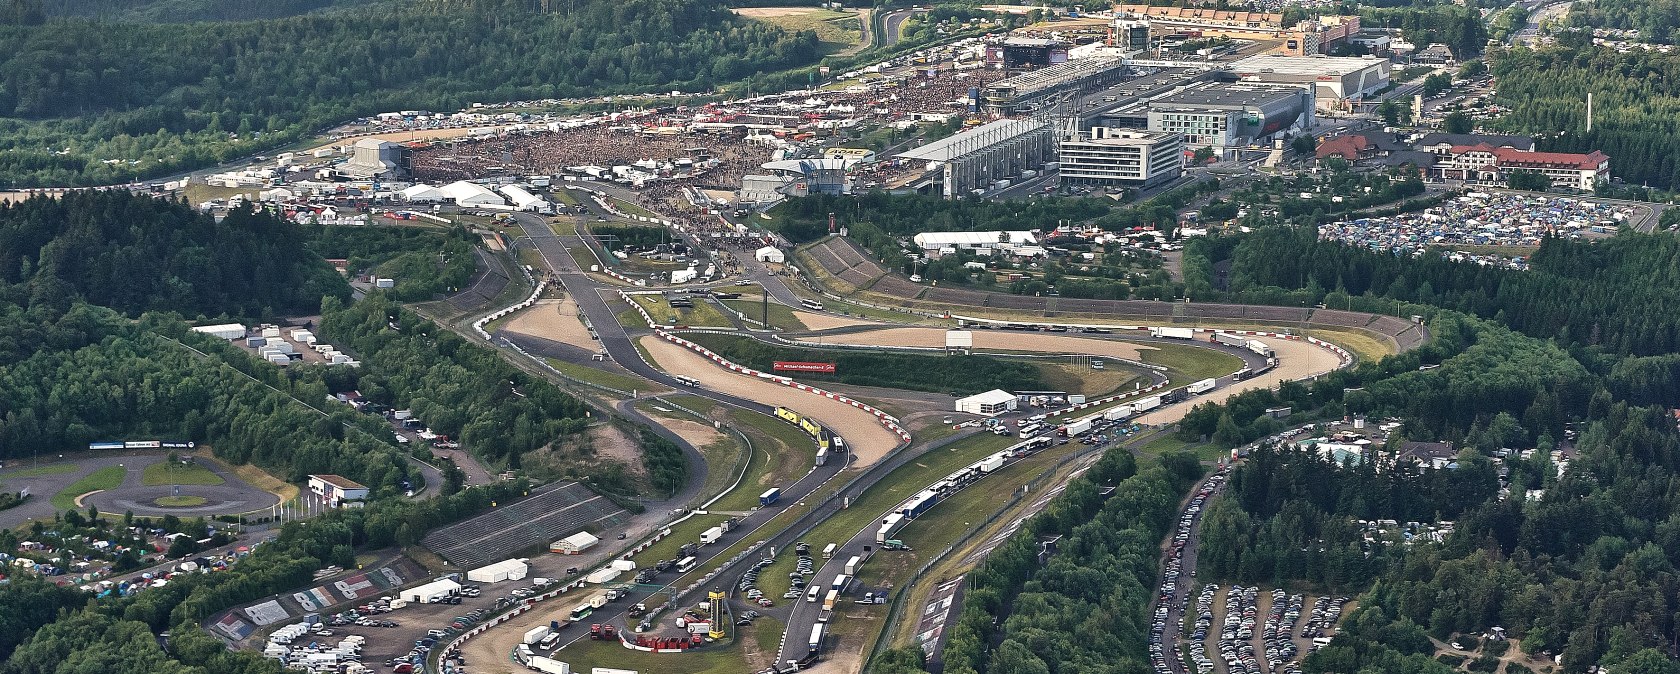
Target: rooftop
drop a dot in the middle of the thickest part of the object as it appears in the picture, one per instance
(956, 145)
(992, 397)
(1435, 139)
(338, 481)
(1304, 65)
(1241, 94)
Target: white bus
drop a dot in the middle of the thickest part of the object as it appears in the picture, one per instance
(811, 304)
(687, 564)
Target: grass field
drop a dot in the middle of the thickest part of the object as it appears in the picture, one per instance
(253, 476)
(1362, 345)
(39, 471)
(107, 478)
(585, 655)
(632, 209)
(1191, 363)
(888, 492)
(164, 472)
(1082, 379)
(836, 30)
(622, 382)
(1170, 443)
(781, 316)
(702, 314)
(782, 453)
(181, 501)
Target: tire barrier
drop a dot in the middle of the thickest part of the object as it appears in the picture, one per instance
(478, 325)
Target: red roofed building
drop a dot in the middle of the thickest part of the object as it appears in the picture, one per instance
(1489, 164)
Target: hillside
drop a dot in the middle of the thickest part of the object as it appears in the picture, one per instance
(137, 254)
(182, 11)
(85, 101)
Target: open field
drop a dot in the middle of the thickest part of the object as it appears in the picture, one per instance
(867, 439)
(702, 314)
(556, 320)
(1075, 378)
(840, 29)
(104, 479)
(165, 473)
(1361, 344)
(781, 453)
(781, 317)
(1192, 363)
(252, 475)
(996, 340)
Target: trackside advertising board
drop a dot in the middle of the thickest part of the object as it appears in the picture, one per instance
(797, 366)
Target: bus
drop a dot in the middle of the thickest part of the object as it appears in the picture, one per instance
(687, 564)
(812, 593)
(828, 551)
(686, 380)
(811, 304)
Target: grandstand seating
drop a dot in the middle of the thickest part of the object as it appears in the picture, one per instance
(550, 513)
(1347, 318)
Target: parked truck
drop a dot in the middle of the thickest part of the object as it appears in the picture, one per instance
(853, 564)
(711, 535)
(1201, 387)
(1228, 339)
(1261, 348)
(536, 634)
(770, 497)
(1173, 333)
(816, 638)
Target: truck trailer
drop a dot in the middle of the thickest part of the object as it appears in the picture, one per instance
(1201, 387)
(711, 535)
(1228, 339)
(1173, 333)
(770, 497)
(1260, 347)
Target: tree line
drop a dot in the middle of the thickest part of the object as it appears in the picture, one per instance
(135, 100)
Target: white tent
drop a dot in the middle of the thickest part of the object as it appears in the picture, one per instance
(990, 403)
(770, 254)
(431, 592)
(423, 194)
(470, 194)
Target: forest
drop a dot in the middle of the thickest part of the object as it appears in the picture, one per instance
(1656, 20)
(1087, 609)
(136, 254)
(459, 389)
(409, 255)
(1636, 105)
(913, 371)
(1458, 27)
(135, 100)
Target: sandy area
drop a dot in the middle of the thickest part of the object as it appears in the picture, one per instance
(827, 321)
(694, 432)
(767, 12)
(991, 339)
(613, 444)
(556, 320)
(1296, 360)
(866, 437)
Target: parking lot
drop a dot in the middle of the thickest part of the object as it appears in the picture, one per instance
(1480, 219)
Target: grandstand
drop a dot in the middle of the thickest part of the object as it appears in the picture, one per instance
(549, 513)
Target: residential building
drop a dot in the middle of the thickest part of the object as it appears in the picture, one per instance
(1487, 164)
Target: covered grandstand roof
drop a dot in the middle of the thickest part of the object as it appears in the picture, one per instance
(811, 165)
(951, 147)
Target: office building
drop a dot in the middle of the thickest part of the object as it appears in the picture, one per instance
(1232, 116)
(1124, 157)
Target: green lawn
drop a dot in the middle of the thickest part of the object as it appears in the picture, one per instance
(632, 209)
(39, 471)
(781, 454)
(1170, 443)
(164, 472)
(109, 477)
(585, 655)
(181, 501)
(622, 382)
(688, 531)
(702, 314)
(781, 315)
(1190, 363)
(888, 492)
(1082, 379)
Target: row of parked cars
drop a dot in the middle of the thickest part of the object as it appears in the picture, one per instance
(749, 584)
(1279, 632)
(1173, 571)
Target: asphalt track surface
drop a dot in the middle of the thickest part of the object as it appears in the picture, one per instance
(232, 496)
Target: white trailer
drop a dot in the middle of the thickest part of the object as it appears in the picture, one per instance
(1077, 427)
(853, 564)
(550, 665)
(711, 535)
(1147, 404)
(1229, 339)
(1201, 387)
(1173, 333)
(992, 462)
(1118, 413)
(536, 635)
(1260, 347)
(889, 526)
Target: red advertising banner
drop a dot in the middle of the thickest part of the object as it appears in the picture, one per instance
(796, 366)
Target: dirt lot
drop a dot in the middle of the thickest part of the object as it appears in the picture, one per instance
(556, 320)
(868, 439)
(1296, 360)
(827, 322)
(993, 339)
